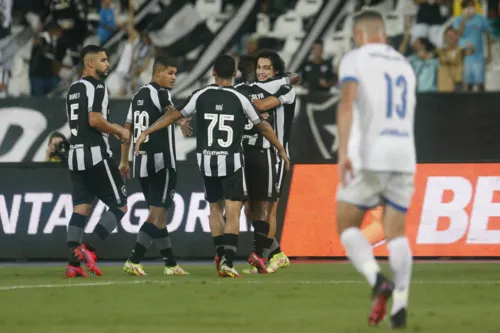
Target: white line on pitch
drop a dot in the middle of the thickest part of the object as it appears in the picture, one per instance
(306, 282)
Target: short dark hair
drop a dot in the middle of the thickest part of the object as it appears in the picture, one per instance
(467, 3)
(56, 134)
(90, 49)
(277, 62)
(318, 42)
(163, 61)
(246, 65)
(368, 14)
(224, 66)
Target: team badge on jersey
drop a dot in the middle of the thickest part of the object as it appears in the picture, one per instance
(124, 190)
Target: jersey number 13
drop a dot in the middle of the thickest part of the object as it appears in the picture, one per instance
(397, 102)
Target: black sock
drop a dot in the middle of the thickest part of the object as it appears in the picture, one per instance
(219, 245)
(230, 247)
(162, 242)
(261, 230)
(275, 248)
(104, 228)
(267, 248)
(74, 237)
(143, 242)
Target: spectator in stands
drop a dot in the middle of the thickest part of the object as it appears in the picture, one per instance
(429, 21)
(457, 7)
(425, 65)
(471, 28)
(43, 69)
(71, 16)
(451, 63)
(317, 74)
(5, 38)
(107, 23)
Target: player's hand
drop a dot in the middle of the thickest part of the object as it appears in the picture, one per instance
(264, 115)
(123, 135)
(138, 143)
(124, 170)
(345, 170)
(285, 158)
(186, 128)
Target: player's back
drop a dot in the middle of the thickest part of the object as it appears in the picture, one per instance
(382, 137)
(88, 146)
(158, 149)
(221, 115)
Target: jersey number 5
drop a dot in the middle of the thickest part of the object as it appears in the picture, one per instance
(400, 107)
(141, 123)
(73, 115)
(223, 127)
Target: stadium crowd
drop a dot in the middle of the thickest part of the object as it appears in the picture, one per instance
(445, 60)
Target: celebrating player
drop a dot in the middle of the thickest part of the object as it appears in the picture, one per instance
(260, 158)
(93, 172)
(376, 159)
(269, 65)
(221, 115)
(155, 166)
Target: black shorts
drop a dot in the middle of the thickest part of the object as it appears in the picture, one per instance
(232, 187)
(159, 188)
(103, 181)
(260, 174)
(280, 175)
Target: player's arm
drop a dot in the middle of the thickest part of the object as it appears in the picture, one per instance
(97, 121)
(284, 95)
(349, 80)
(125, 148)
(165, 103)
(170, 116)
(266, 130)
(344, 113)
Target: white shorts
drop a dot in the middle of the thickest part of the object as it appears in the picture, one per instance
(369, 188)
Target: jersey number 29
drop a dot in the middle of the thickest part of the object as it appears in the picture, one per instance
(400, 106)
(223, 127)
(141, 123)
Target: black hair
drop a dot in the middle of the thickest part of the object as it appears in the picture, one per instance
(277, 62)
(318, 42)
(427, 44)
(224, 66)
(163, 61)
(467, 3)
(56, 134)
(91, 49)
(246, 65)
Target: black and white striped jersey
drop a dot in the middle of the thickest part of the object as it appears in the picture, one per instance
(158, 150)
(283, 118)
(88, 146)
(259, 90)
(221, 115)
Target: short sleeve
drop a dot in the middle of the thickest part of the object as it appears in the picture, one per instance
(190, 106)
(165, 99)
(249, 110)
(129, 115)
(288, 98)
(99, 95)
(348, 69)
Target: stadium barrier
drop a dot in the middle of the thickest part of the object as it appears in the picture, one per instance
(454, 212)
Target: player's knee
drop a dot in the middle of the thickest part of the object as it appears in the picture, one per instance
(83, 209)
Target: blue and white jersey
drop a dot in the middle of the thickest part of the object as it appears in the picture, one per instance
(381, 137)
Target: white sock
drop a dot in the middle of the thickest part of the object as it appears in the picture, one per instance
(360, 253)
(400, 259)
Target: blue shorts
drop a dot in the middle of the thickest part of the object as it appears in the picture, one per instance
(474, 72)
